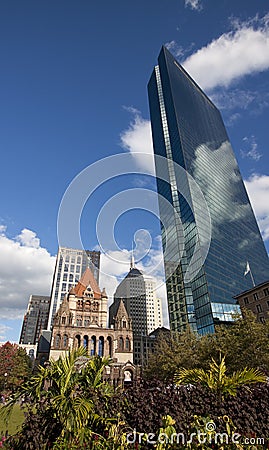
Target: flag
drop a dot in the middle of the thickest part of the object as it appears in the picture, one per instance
(247, 270)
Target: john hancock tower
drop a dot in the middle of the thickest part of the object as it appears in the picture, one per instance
(188, 131)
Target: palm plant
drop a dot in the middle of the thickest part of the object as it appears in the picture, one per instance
(217, 379)
(67, 388)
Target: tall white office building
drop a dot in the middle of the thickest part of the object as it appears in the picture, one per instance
(138, 292)
(70, 265)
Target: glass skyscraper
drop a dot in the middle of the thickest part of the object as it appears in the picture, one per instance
(204, 207)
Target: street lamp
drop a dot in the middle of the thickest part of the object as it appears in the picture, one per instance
(5, 382)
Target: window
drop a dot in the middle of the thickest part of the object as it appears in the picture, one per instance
(246, 300)
(127, 344)
(121, 343)
(262, 319)
(65, 340)
(259, 308)
(255, 296)
(57, 341)
(63, 320)
(124, 324)
(266, 291)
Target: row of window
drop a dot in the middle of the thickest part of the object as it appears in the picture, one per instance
(256, 296)
(62, 341)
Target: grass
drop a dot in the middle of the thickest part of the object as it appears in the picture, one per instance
(15, 421)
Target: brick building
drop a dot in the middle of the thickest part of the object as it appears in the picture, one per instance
(256, 300)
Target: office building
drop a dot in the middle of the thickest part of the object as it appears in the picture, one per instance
(144, 346)
(70, 265)
(138, 293)
(204, 207)
(35, 319)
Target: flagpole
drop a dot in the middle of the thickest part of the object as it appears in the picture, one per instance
(248, 270)
(252, 279)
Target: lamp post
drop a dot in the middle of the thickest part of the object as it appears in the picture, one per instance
(5, 382)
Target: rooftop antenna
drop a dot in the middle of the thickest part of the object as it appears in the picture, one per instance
(132, 265)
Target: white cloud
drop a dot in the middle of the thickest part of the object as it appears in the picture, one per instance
(250, 149)
(178, 51)
(2, 229)
(3, 331)
(194, 4)
(25, 269)
(233, 119)
(258, 190)
(236, 98)
(240, 52)
(28, 238)
(174, 48)
(137, 139)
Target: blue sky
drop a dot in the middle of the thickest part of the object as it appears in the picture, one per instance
(73, 90)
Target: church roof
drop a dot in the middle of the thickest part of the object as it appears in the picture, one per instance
(121, 311)
(86, 280)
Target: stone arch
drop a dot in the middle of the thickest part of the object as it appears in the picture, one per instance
(128, 375)
(77, 341)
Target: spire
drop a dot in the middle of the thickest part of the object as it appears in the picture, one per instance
(132, 264)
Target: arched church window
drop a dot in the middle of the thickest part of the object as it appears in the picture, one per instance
(65, 340)
(121, 343)
(57, 340)
(127, 344)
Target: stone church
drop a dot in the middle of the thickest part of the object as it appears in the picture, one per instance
(81, 320)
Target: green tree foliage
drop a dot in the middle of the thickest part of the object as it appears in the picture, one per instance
(244, 344)
(15, 366)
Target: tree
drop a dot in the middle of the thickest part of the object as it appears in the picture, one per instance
(244, 343)
(172, 350)
(15, 366)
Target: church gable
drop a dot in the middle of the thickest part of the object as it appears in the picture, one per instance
(122, 320)
(87, 284)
